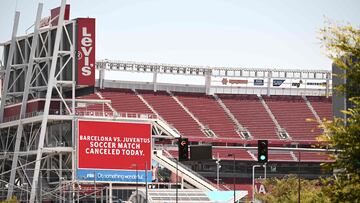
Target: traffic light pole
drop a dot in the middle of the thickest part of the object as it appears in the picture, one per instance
(234, 178)
(217, 170)
(253, 181)
(233, 155)
(177, 177)
(264, 170)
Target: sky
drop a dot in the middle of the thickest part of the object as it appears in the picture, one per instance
(227, 33)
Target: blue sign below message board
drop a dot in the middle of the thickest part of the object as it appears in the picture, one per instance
(119, 176)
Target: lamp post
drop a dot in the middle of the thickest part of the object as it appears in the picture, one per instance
(95, 185)
(146, 183)
(253, 181)
(177, 177)
(137, 183)
(233, 155)
(264, 170)
(217, 170)
(299, 185)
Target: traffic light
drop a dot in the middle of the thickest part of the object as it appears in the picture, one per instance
(183, 149)
(262, 151)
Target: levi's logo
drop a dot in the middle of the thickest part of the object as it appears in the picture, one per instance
(86, 48)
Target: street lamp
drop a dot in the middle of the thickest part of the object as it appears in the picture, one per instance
(95, 185)
(146, 182)
(137, 185)
(253, 181)
(233, 155)
(177, 178)
(299, 184)
(217, 170)
(299, 159)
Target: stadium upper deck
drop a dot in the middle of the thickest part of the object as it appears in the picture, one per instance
(223, 117)
(232, 105)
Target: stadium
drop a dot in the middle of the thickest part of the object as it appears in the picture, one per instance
(70, 135)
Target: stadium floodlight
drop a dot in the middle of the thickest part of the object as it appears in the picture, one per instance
(262, 151)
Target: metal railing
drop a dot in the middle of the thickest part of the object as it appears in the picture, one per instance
(169, 156)
(115, 114)
(85, 113)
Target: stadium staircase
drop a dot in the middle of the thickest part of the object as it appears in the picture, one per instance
(146, 103)
(239, 128)
(207, 110)
(322, 105)
(170, 111)
(91, 106)
(249, 111)
(293, 114)
(280, 131)
(107, 104)
(183, 171)
(204, 129)
(125, 100)
(317, 117)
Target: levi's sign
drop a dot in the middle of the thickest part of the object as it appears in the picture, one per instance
(86, 51)
(114, 151)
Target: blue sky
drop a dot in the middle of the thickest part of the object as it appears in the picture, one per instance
(239, 33)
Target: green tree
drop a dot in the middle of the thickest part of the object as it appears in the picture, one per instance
(342, 44)
(345, 185)
(285, 190)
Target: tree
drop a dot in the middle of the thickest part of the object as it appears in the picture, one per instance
(344, 136)
(342, 44)
(285, 190)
